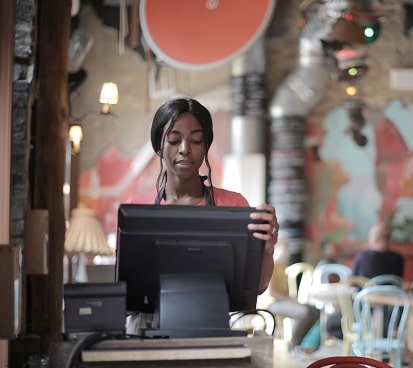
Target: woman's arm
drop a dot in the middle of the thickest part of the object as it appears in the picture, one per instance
(267, 231)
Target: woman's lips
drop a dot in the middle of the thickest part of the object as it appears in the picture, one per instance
(184, 163)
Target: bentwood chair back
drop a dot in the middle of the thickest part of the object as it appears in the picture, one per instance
(371, 340)
(294, 309)
(324, 273)
(387, 279)
(299, 278)
(348, 362)
(345, 301)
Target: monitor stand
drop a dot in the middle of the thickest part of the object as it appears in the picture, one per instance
(192, 305)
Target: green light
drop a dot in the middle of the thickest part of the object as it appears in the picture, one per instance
(352, 72)
(371, 32)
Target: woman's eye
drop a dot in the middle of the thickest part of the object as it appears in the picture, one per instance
(197, 139)
(173, 142)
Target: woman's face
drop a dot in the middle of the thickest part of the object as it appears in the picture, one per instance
(184, 147)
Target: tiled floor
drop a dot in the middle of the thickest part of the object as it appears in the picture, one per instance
(283, 358)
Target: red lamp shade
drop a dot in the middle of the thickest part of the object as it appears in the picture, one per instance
(200, 34)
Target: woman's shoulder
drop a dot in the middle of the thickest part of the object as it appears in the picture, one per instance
(225, 197)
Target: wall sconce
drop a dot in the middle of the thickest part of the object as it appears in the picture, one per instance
(108, 96)
(75, 136)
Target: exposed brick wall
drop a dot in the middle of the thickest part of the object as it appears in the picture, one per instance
(22, 98)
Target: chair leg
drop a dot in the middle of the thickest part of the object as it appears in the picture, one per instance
(398, 359)
(284, 328)
(279, 332)
(346, 349)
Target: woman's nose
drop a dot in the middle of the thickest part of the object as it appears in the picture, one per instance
(185, 147)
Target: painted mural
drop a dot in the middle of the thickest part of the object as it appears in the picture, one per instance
(356, 178)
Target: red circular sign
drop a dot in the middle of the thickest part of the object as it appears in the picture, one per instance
(199, 34)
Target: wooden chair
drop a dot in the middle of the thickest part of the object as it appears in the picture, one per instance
(348, 362)
(299, 279)
(294, 309)
(371, 340)
(325, 272)
(323, 275)
(345, 301)
(387, 279)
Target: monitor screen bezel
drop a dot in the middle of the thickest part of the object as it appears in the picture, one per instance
(142, 226)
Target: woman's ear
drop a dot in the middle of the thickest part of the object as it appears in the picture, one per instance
(159, 153)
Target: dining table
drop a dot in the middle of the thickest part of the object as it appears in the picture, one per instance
(325, 297)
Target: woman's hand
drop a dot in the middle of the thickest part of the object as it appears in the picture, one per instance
(268, 230)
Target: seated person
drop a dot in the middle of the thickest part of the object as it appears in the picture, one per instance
(376, 260)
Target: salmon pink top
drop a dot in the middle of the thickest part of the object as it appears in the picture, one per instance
(222, 197)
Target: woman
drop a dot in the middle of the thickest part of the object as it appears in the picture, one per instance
(181, 136)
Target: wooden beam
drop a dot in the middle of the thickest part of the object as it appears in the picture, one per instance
(7, 17)
(7, 11)
(51, 126)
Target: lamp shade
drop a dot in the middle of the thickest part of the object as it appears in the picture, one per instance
(85, 234)
(76, 136)
(203, 34)
(109, 94)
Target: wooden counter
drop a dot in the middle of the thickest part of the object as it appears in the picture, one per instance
(126, 353)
